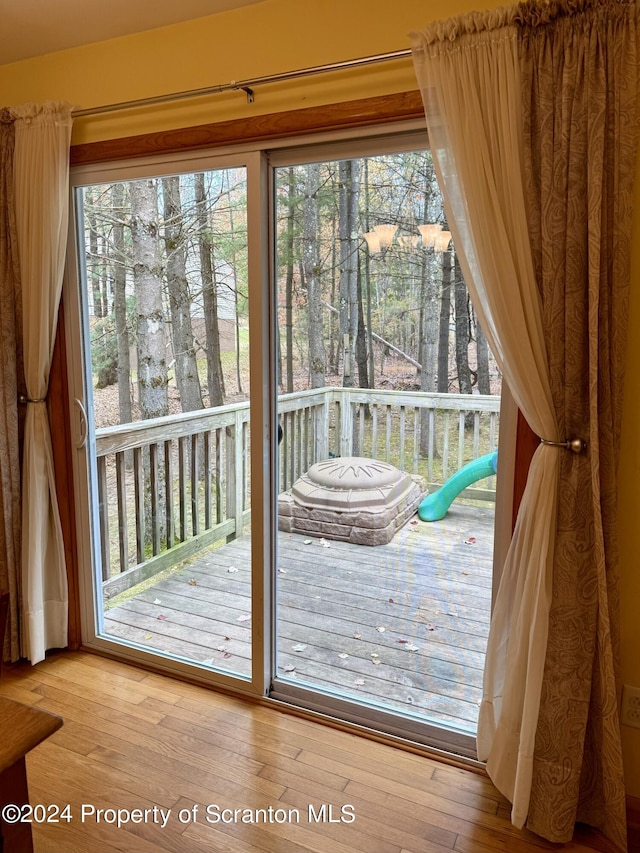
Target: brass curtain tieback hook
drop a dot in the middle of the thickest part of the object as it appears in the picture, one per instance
(575, 445)
(24, 400)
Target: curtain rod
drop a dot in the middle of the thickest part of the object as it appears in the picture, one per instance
(242, 85)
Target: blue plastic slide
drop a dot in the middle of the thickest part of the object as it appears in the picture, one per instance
(435, 506)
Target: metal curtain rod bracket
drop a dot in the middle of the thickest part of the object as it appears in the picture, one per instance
(246, 86)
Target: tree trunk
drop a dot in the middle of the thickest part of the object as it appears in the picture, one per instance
(361, 340)
(215, 380)
(349, 174)
(445, 318)
(291, 187)
(119, 273)
(186, 366)
(462, 331)
(151, 348)
(484, 382)
(311, 263)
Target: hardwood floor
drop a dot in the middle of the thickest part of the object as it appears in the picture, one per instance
(133, 740)
(404, 624)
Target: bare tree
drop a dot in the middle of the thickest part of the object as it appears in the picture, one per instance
(462, 331)
(349, 195)
(147, 278)
(311, 265)
(119, 272)
(186, 366)
(215, 379)
(444, 321)
(291, 188)
(482, 347)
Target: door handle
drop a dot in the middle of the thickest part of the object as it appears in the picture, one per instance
(82, 434)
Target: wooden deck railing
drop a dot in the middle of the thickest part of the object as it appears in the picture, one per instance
(170, 486)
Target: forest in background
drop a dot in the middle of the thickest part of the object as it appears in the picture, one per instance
(363, 299)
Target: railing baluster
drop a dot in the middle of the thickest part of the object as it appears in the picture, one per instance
(230, 472)
(123, 525)
(168, 501)
(307, 437)
(182, 486)
(219, 478)
(476, 435)
(445, 447)
(195, 485)
(387, 443)
(206, 462)
(492, 431)
(297, 463)
(138, 479)
(403, 416)
(346, 425)
(416, 439)
(154, 488)
(103, 516)
(244, 495)
(374, 430)
(432, 440)
(461, 439)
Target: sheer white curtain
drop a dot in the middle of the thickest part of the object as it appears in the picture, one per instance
(469, 76)
(41, 174)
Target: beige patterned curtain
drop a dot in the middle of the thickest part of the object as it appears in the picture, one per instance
(472, 91)
(580, 65)
(549, 721)
(41, 182)
(10, 386)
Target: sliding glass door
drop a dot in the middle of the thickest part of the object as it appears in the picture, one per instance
(287, 425)
(387, 392)
(162, 322)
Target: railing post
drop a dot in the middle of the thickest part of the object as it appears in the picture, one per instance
(322, 418)
(231, 475)
(240, 464)
(235, 473)
(346, 423)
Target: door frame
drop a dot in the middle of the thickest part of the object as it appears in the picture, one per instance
(396, 112)
(262, 454)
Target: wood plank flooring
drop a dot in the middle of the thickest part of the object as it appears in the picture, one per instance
(132, 740)
(403, 625)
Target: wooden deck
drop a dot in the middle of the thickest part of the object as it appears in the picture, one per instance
(402, 625)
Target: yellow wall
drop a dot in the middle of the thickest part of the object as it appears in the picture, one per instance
(282, 35)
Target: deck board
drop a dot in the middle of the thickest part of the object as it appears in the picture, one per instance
(403, 624)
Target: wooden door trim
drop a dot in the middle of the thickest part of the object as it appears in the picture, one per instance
(365, 112)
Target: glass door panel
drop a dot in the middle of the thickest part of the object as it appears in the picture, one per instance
(387, 391)
(164, 300)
